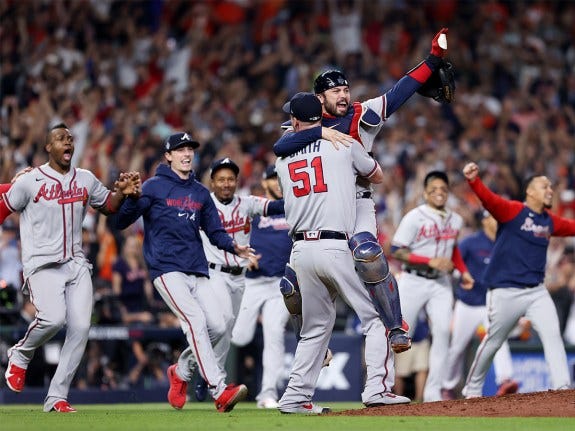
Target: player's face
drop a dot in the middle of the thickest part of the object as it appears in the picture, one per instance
(272, 188)
(181, 160)
(224, 184)
(436, 193)
(541, 192)
(336, 100)
(60, 149)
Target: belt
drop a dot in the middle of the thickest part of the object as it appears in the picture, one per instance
(426, 273)
(314, 235)
(234, 270)
(363, 195)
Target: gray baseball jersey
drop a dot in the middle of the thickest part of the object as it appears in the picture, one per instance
(428, 233)
(53, 207)
(236, 218)
(56, 271)
(306, 177)
(319, 194)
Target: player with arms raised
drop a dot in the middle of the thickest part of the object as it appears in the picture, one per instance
(515, 274)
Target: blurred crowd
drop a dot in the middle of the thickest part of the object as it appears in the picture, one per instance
(123, 75)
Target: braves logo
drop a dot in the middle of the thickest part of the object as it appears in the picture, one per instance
(236, 224)
(55, 192)
(538, 230)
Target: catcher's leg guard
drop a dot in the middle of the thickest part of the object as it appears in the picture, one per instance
(289, 288)
(372, 268)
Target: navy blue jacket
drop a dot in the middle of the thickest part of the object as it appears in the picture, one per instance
(174, 211)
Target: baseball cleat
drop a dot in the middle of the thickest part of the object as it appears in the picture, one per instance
(201, 390)
(15, 377)
(327, 359)
(268, 403)
(232, 395)
(385, 399)
(399, 340)
(178, 389)
(63, 407)
(507, 387)
(305, 409)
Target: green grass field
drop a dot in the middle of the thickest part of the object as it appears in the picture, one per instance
(200, 417)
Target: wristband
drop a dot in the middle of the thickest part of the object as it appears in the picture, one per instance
(416, 259)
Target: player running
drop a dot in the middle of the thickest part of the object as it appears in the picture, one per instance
(53, 200)
(515, 276)
(175, 206)
(426, 242)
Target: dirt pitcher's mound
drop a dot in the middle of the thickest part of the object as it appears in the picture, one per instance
(535, 404)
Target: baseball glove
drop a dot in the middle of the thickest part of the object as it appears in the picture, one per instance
(441, 84)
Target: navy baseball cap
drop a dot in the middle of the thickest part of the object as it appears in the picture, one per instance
(224, 163)
(329, 79)
(270, 172)
(178, 140)
(305, 107)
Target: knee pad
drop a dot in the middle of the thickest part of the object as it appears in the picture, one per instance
(368, 257)
(289, 288)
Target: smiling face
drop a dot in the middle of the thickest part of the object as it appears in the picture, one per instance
(181, 160)
(436, 193)
(336, 100)
(224, 182)
(60, 148)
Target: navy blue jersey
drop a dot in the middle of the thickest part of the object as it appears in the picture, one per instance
(174, 210)
(270, 238)
(519, 255)
(476, 253)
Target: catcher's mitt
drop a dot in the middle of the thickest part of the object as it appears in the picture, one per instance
(441, 84)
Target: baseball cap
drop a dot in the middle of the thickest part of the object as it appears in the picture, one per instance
(270, 172)
(224, 163)
(329, 79)
(178, 140)
(305, 107)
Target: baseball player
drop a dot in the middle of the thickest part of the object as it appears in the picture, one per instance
(175, 206)
(470, 311)
(53, 200)
(426, 243)
(227, 271)
(515, 274)
(262, 297)
(363, 121)
(318, 184)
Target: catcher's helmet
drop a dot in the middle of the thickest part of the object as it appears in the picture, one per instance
(329, 79)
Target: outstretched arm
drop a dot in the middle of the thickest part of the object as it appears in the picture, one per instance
(410, 83)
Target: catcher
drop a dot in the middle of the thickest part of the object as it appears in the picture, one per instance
(363, 121)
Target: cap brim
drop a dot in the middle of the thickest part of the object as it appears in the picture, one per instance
(193, 144)
(286, 107)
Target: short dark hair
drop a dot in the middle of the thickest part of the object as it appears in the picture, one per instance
(527, 182)
(433, 175)
(57, 126)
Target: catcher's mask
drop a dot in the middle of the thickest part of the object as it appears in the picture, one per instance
(329, 79)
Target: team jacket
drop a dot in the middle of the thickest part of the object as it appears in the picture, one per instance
(520, 252)
(174, 211)
(476, 253)
(270, 239)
